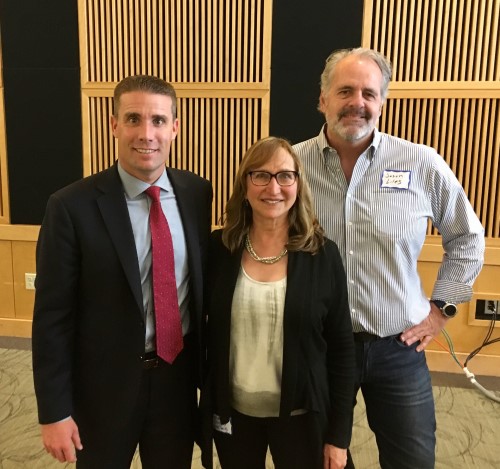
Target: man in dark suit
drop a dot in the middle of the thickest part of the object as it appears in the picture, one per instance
(100, 386)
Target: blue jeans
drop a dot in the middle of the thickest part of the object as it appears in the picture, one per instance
(396, 387)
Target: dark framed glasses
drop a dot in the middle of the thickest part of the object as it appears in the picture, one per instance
(263, 178)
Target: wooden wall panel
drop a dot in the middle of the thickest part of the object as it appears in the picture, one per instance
(23, 258)
(17, 256)
(436, 40)
(7, 309)
(180, 40)
(446, 87)
(216, 53)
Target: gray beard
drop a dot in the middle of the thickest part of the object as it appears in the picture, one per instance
(351, 136)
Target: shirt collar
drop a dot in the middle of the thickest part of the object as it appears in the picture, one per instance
(323, 142)
(134, 187)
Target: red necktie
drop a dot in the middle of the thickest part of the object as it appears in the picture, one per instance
(168, 320)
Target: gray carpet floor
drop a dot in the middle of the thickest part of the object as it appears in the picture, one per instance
(468, 423)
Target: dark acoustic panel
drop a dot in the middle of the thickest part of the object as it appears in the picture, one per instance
(44, 138)
(41, 71)
(303, 37)
(39, 34)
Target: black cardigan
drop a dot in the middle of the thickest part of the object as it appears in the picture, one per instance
(318, 355)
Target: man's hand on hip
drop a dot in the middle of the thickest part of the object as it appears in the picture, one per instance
(429, 328)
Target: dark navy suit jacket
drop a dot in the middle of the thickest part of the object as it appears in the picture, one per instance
(88, 324)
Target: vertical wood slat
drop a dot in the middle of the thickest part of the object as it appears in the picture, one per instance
(442, 29)
(124, 27)
(233, 76)
(201, 50)
(450, 48)
(222, 166)
(478, 48)
(251, 53)
(244, 22)
(91, 38)
(119, 41)
(398, 61)
(470, 43)
(470, 105)
(209, 45)
(486, 34)
(460, 28)
(109, 47)
(148, 46)
(384, 27)
(220, 40)
(482, 172)
(94, 155)
(389, 30)
(260, 59)
(430, 42)
(464, 108)
(173, 44)
(422, 55)
(192, 26)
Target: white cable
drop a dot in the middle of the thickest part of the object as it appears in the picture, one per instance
(485, 391)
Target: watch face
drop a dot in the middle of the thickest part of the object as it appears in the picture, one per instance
(449, 310)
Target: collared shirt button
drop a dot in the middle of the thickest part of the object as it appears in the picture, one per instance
(353, 310)
(352, 281)
(351, 252)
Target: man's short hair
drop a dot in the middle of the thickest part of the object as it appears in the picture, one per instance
(147, 84)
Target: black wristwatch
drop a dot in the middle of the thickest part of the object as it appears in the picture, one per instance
(448, 310)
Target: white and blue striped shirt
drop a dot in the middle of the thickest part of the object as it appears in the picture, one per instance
(379, 222)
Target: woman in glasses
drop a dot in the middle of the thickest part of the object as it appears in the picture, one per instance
(280, 347)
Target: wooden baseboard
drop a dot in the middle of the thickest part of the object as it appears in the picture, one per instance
(484, 365)
(15, 327)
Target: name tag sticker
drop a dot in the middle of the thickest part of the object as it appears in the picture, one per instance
(223, 428)
(395, 179)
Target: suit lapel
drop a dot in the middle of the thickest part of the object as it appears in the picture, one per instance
(186, 201)
(113, 207)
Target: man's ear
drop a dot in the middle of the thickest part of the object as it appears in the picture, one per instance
(322, 100)
(113, 123)
(175, 127)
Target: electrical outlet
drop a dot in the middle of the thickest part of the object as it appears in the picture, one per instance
(29, 281)
(485, 309)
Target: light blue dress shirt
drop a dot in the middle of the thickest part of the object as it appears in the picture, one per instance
(138, 204)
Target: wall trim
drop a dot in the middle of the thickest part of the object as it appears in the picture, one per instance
(19, 232)
(15, 327)
(484, 365)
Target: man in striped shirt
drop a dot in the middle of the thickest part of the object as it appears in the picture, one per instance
(374, 194)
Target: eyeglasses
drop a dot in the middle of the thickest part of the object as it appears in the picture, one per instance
(263, 178)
